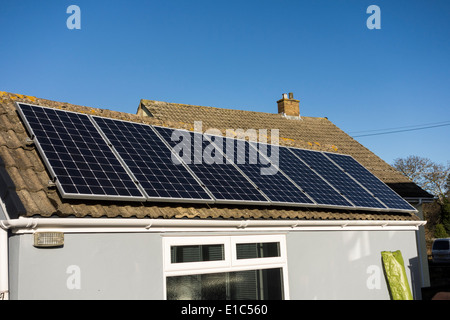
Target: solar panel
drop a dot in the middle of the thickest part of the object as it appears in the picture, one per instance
(388, 196)
(353, 191)
(312, 184)
(152, 162)
(223, 179)
(264, 174)
(76, 155)
(91, 157)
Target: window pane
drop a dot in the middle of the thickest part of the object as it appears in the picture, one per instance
(197, 253)
(441, 245)
(263, 284)
(257, 250)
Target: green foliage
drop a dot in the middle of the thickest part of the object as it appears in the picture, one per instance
(440, 231)
(445, 215)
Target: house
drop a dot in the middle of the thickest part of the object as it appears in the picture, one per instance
(62, 238)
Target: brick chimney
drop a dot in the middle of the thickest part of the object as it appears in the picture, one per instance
(289, 107)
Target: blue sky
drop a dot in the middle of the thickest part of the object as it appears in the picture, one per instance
(244, 55)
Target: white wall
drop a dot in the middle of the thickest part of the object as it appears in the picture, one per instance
(321, 265)
(88, 266)
(346, 264)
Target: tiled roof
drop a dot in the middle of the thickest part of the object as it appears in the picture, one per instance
(25, 188)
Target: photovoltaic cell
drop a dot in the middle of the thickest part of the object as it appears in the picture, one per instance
(264, 174)
(338, 178)
(222, 179)
(77, 156)
(388, 196)
(152, 162)
(317, 188)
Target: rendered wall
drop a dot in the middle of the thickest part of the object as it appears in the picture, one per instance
(88, 266)
(321, 265)
(347, 264)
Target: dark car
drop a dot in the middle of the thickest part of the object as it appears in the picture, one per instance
(440, 251)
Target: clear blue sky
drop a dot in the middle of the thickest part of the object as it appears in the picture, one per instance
(244, 55)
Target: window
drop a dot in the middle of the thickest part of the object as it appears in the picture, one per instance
(441, 244)
(262, 284)
(257, 250)
(182, 254)
(225, 267)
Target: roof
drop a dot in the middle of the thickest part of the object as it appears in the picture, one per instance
(24, 180)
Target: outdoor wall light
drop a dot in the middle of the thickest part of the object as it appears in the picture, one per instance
(48, 239)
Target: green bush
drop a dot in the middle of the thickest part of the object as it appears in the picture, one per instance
(440, 231)
(445, 215)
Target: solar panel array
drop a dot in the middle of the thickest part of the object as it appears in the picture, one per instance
(151, 161)
(91, 157)
(319, 189)
(78, 157)
(264, 173)
(342, 182)
(222, 178)
(374, 185)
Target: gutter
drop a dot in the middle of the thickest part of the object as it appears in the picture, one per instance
(27, 225)
(419, 200)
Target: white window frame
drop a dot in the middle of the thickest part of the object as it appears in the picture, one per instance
(230, 262)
